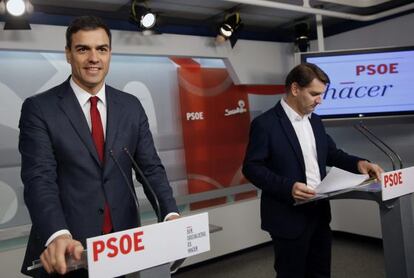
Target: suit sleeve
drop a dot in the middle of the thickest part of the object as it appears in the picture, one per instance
(256, 169)
(38, 172)
(147, 158)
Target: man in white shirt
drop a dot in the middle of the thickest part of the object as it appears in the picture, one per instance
(71, 138)
(286, 157)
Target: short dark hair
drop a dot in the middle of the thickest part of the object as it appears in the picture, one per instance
(303, 74)
(86, 23)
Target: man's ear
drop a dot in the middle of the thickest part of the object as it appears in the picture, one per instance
(294, 89)
(67, 53)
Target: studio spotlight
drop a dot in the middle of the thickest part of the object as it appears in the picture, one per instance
(228, 28)
(15, 7)
(16, 12)
(302, 36)
(148, 20)
(144, 17)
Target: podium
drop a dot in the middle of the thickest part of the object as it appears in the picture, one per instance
(397, 219)
(148, 249)
(144, 251)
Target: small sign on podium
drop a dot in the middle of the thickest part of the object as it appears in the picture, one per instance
(397, 183)
(148, 246)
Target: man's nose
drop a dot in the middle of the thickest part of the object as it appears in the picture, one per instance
(93, 56)
(319, 100)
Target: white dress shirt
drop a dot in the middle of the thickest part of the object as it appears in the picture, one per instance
(304, 132)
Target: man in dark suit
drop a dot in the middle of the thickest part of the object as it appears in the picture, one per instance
(72, 186)
(287, 154)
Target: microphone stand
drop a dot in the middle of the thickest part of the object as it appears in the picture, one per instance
(377, 142)
(147, 186)
(130, 186)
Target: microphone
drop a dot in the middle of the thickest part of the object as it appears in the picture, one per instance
(383, 143)
(130, 186)
(363, 129)
(146, 185)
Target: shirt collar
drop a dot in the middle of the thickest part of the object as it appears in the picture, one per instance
(292, 114)
(83, 96)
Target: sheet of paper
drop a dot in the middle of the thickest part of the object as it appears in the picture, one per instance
(338, 179)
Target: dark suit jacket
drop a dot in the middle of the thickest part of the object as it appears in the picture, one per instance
(274, 162)
(64, 182)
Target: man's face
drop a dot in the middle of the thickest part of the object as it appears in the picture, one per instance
(307, 98)
(89, 56)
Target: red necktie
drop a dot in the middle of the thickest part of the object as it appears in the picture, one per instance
(98, 139)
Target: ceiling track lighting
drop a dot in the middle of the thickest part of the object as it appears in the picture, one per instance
(227, 30)
(302, 31)
(143, 16)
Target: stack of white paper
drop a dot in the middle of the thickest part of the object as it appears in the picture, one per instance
(338, 179)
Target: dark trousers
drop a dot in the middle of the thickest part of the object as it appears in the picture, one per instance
(308, 256)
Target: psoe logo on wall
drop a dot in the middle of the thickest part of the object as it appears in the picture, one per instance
(195, 116)
(238, 110)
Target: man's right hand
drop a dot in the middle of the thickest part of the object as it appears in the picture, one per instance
(302, 192)
(53, 257)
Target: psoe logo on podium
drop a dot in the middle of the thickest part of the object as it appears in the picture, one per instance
(140, 248)
(397, 183)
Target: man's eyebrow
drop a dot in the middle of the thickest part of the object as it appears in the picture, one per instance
(103, 45)
(82, 46)
(89, 47)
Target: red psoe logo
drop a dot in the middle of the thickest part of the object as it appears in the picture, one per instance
(372, 69)
(123, 244)
(393, 179)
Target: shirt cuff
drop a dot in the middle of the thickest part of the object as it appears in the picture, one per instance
(56, 234)
(171, 214)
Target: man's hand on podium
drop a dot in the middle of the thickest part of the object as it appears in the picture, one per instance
(53, 257)
(301, 191)
(365, 167)
(172, 217)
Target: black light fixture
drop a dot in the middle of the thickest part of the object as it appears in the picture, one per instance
(231, 24)
(16, 12)
(143, 16)
(302, 31)
(16, 24)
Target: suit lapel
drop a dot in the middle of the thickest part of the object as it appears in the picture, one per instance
(70, 106)
(113, 116)
(290, 134)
